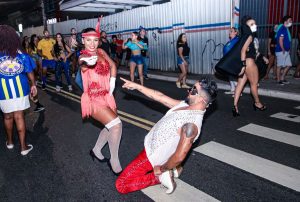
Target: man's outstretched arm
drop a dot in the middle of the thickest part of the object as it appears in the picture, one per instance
(187, 135)
(153, 94)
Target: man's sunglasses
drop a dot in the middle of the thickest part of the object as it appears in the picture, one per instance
(193, 90)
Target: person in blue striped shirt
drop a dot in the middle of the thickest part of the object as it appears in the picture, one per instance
(15, 70)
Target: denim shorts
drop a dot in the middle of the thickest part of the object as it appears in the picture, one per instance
(48, 63)
(180, 61)
(137, 59)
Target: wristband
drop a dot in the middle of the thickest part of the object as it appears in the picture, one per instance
(243, 63)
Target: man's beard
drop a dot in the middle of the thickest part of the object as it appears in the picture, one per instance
(187, 100)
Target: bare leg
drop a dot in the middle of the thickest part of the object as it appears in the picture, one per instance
(278, 71)
(252, 75)
(238, 90)
(9, 123)
(182, 75)
(20, 123)
(140, 70)
(132, 68)
(185, 74)
(270, 65)
(285, 71)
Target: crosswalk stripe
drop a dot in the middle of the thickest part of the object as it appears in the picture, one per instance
(297, 107)
(275, 172)
(183, 192)
(272, 134)
(287, 117)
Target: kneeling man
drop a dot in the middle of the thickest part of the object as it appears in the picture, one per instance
(169, 141)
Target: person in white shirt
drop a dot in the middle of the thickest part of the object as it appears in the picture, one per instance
(169, 141)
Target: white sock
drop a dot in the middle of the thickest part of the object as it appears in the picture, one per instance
(102, 140)
(114, 139)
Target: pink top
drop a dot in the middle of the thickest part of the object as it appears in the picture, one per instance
(96, 88)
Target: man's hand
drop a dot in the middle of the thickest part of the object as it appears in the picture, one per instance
(129, 84)
(266, 60)
(157, 171)
(33, 91)
(90, 61)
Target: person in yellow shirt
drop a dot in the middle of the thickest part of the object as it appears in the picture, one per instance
(45, 47)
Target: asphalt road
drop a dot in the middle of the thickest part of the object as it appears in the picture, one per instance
(60, 169)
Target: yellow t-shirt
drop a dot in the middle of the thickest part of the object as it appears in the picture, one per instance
(46, 47)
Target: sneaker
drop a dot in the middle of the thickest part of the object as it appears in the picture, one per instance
(25, 152)
(57, 89)
(167, 181)
(39, 108)
(70, 88)
(178, 84)
(281, 83)
(285, 82)
(9, 146)
(185, 86)
(43, 86)
(146, 77)
(177, 172)
(229, 92)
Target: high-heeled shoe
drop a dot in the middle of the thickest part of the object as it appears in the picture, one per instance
(235, 113)
(109, 165)
(93, 155)
(263, 108)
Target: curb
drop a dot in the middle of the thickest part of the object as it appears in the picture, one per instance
(222, 86)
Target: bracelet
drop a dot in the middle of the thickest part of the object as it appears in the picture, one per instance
(160, 169)
(243, 63)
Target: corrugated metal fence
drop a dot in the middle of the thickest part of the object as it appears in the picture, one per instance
(205, 21)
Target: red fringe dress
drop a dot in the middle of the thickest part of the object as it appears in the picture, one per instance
(96, 88)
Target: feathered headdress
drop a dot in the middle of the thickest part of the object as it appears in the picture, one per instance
(95, 33)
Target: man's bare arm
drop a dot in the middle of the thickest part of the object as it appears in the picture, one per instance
(188, 133)
(153, 94)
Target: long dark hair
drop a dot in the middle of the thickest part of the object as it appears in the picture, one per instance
(31, 43)
(245, 29)
(56, 47)
(179, 40)
(10, 41)
(25, 38)
(138, 36)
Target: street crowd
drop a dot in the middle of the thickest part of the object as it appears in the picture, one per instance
(92, 60)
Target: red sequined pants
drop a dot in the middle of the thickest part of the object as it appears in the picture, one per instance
(137, 175)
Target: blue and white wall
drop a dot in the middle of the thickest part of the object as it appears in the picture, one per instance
(206, 23)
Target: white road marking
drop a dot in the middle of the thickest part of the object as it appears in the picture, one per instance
(272, 134)
(275, 172)
(287, 117)
(183, 192)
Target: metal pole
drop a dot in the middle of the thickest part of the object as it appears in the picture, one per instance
(44, 15)
(285, 7)
(232, 13)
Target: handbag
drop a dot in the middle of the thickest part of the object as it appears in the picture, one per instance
(230, 64)
(261, 66)
(78, 79)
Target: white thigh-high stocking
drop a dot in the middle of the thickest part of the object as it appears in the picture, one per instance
(115, 132)
(102, 140)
